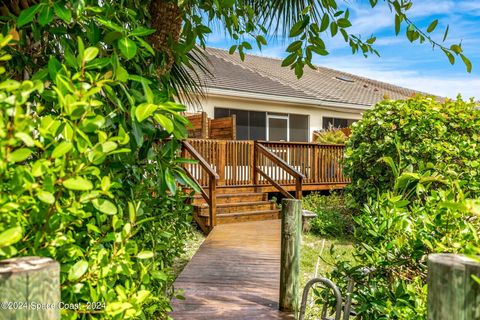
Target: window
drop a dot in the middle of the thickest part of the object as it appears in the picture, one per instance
(298, 128)
(337, 122)
(256, 125)
(250, 124)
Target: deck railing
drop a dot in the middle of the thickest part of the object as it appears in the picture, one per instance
(233, 161)
(319, 163)
(271, 169)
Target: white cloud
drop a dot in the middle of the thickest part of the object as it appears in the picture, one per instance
(398, 72)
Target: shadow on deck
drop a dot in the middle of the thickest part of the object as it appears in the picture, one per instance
(234, 275)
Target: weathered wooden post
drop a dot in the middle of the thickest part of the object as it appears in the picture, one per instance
(29, 289)
(452, 292)
(290, 255)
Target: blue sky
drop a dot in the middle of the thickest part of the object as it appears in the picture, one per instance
(414, 66)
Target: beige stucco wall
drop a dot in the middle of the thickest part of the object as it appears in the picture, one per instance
(315, 113)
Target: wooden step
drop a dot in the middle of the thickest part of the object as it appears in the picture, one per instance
(248, 216)
(223, 189)
(233, 207)
(233, 197)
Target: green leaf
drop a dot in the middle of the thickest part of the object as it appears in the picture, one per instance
(110, 25)
(61, 149)
(445, 35)
(145, 255)
(77, 270)
(297, 28)
(46, 197)
(142, 31)
(90, 54)
(432, 26)
(456, 48)
(10, 236)
(62, 12)
(289, 60)
(344, 23)
(105, 206)
(467, 63)
(27, 15)
(145, 110)
(170, 181)
(450, 57)
(325, 23)
(127, 47)
(78, 183)
(45, 16)
(333, 28)
(19, 155)
(294, 46)
(398, 22)
(53, 67)
(164, 122)
(232, 49)
(121, 74)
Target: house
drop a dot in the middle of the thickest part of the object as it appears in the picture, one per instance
(253, 138)
(271, 104)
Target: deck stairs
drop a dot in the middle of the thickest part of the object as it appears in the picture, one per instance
(234, 205)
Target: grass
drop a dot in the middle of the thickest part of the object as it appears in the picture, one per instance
(312, 247)
(196, 238)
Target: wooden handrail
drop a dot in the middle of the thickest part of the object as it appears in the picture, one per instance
(284, 165)
(279, 161)
(275, 184)
(211, 198)
(200, 159)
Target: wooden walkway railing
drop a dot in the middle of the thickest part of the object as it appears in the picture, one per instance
(189, 151)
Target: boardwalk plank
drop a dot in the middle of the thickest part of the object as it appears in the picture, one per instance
(234, 275)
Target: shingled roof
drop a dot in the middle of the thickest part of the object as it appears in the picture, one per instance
(264, 75)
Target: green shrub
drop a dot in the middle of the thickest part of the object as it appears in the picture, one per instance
(333, 217)
(419, 132)
(394, 234)
(331, 135)
(415, 175)
(93, 184)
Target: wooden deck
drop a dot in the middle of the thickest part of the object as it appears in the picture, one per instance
(234, 275)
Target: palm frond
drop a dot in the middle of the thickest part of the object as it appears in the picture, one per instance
(186, 80)
(280, 15)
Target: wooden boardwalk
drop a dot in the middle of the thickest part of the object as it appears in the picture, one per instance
(234, 275)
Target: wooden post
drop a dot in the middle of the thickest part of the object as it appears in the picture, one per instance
(30, 288)
(452, 292)
(290, 255)
(221, 160)
(212, 186)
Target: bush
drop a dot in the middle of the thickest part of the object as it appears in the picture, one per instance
(91, 185)
(419, 132)
(331, 135)
(394, 234)
(333, 217)
(415, 175)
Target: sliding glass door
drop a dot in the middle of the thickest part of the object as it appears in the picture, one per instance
(277, 127)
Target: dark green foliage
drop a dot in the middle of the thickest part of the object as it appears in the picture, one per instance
(415, 173)
(333, 219)
(89, 166)
(420, 134)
